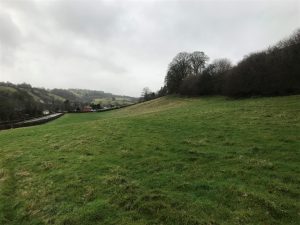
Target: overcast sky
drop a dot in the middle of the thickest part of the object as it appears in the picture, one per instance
(123, 46)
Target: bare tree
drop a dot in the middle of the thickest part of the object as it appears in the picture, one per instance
(178, 69)
(197, 62)
(221, 66)
(147, 94)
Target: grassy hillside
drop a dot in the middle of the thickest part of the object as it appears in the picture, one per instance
(114, 101)
(18, 102)
(91, 96)
(38, 95)
(167, 161)
(96, 96)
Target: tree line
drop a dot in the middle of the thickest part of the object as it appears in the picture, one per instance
(275, 71)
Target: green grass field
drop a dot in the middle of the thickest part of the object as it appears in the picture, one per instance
(116, 101)
(169, 161)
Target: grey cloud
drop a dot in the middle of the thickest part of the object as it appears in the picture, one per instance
(10, 38)
(98, 19)
(9, 32)
(122, 46)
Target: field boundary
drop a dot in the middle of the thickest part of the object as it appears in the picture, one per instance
(31, 122)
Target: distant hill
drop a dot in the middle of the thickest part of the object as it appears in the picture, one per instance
(66, 94)
(19, 101)
(92, 96)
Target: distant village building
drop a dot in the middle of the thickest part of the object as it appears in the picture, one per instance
(46, 112)
(87, 108)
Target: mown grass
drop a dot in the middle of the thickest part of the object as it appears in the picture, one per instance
(168, 161)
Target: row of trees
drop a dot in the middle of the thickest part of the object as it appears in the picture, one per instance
(147, 94)
(275, 71)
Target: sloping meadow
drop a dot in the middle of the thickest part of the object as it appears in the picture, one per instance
(167, 161)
